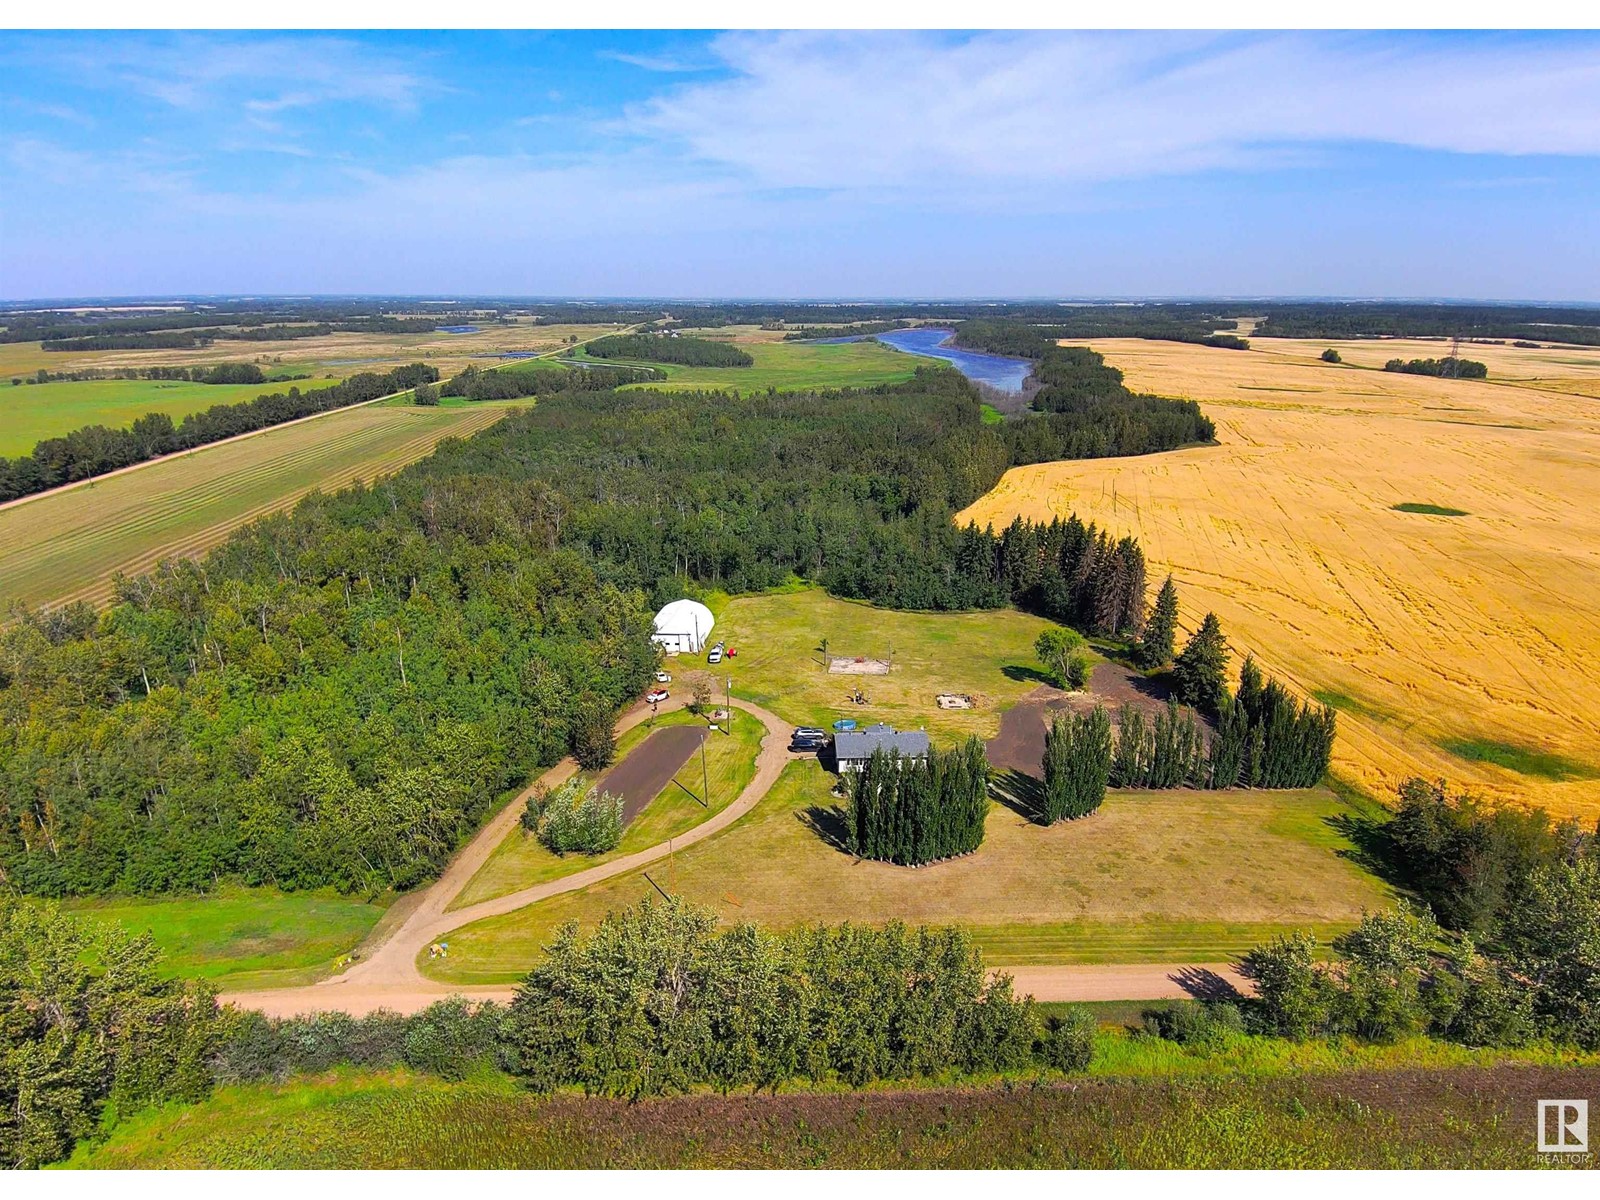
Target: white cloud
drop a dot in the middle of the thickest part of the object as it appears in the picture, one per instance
(949, 115)
(263, 75)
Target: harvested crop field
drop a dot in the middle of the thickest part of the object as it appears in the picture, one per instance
(69, 544)
(1462, 647)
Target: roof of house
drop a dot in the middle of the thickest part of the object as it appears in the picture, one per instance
(856, 744)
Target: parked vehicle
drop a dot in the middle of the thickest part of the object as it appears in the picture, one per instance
(663, 677)
(656, 696)
(716, 654)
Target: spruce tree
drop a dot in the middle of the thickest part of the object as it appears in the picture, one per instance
(1202, 668)
(1161, 630)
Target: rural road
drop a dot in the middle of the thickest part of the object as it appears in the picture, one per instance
(388, 977)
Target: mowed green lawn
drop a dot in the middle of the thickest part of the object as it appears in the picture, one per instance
(520, 860)
(1176, 876)
(790, 366)
(32, 412)
(244, 937)
(68, 545)
(987, 655)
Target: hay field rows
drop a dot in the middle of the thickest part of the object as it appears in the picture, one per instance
(68, 545)
(1459, 647)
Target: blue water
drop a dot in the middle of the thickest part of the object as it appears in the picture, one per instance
(459, 329)
(1004, 374)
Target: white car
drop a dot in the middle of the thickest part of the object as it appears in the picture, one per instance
(656, 696)
(663, 677)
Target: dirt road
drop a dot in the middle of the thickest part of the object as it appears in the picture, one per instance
(387, 976)
(1110, 981)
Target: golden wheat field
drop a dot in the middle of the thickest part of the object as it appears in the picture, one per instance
(1464, 647)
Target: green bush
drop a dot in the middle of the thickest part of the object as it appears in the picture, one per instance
(1194, 1024)
(1067, 1042)
(575, 818)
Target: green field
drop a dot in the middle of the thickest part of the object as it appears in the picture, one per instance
(68, 545)
(1413, 1105)
(730, 763)
(33, 412)
(244, 937)
(987, 655)
(792, 365)
(1524, 760)
(1154, 876)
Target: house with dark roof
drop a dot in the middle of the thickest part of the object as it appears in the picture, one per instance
(852, 748)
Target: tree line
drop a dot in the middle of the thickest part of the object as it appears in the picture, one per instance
(96, 449)
(220, 373)
(1502, 948)
(511, 383)
(1448, 367)
(856, 329)
(912, 811)
(683, 351)
(1576, 326)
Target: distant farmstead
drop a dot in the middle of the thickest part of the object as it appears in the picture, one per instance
(852, 748)
(682, 627)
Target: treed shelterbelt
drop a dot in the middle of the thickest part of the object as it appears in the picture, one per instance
(683, 351)
(912, 811)
(337, 694)
(97, 449)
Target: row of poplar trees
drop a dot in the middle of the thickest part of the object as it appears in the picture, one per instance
(911, 811)
(1264, 739)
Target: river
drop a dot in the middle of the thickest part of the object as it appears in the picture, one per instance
(997, 371)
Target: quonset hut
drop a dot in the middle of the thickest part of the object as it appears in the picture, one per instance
(682, 627)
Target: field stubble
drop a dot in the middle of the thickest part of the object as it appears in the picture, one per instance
(1426, 631)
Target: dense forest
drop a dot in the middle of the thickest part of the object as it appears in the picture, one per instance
(682, 351)
(1579, 326)
(811, 333)
(96, 449)
(335, 694)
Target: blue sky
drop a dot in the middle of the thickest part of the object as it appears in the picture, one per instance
(801, 164)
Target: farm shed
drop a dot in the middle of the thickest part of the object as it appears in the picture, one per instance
(852, 749)
(682, 627)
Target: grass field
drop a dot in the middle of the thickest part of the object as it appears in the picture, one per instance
(986, 655)
(521, 861)
(69, 545)
(33, 412)
(1155, 876)
(790, 365)
(1412, 1105)
(244, 937)
(1433, 632)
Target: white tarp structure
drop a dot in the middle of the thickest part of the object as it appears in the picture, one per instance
(682, 627)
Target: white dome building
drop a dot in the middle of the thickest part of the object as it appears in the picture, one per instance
(682, 627)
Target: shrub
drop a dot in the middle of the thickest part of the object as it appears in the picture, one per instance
(1194, 1024)
(1067, 1042)
(576, 818)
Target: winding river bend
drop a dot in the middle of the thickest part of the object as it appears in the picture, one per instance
(995, 370)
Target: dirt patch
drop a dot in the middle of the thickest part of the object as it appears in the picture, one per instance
(640, 777)
(858, 666)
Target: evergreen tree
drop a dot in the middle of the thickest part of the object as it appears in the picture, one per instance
(1202, 669)
(1161, 629)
